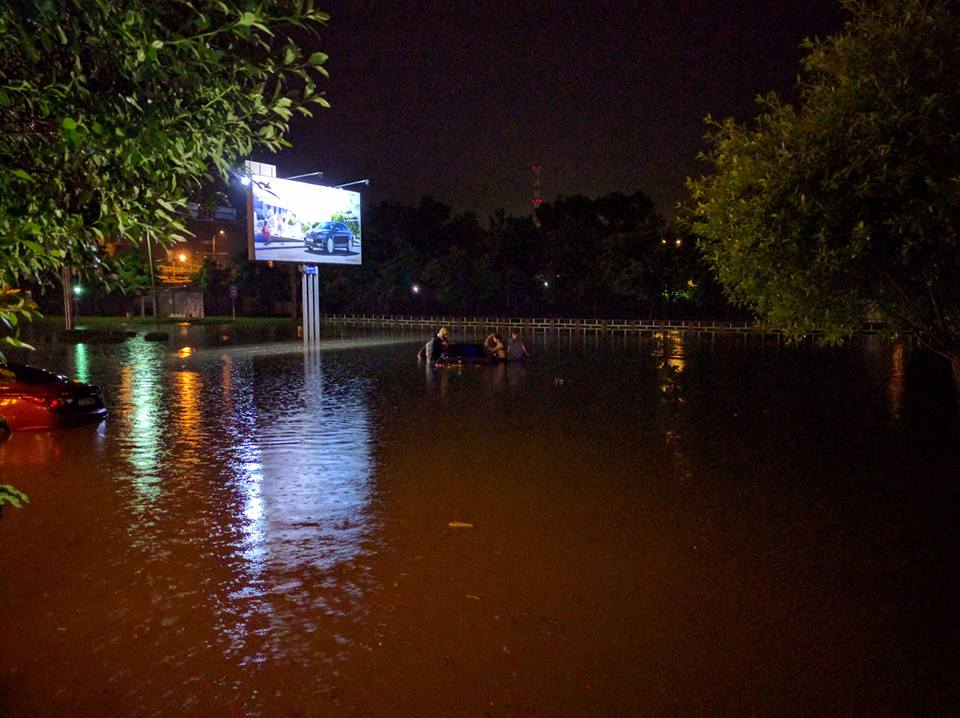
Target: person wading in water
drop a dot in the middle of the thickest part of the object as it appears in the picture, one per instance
(435, 348)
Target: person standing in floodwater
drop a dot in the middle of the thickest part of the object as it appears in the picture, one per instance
(516, 349)
(494, 346)
(433, 349)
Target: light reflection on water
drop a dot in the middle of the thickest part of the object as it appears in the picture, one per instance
(896, 385)
(81, 364)
(303, 463)
(140, 417)
(187, 419)
(303, 471)
(669, 350)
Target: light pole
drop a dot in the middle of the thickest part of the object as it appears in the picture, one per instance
(308, 174)
(68, 313)
(153, 279)
(347, 184)
(216, 234)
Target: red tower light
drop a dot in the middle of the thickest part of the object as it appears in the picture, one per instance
(536, 201)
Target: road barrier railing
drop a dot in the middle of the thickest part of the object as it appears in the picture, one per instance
(533, 325)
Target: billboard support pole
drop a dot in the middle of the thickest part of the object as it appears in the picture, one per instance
(311, 304)
(293, 293)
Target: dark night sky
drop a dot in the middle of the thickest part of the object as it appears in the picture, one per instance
(459, 99)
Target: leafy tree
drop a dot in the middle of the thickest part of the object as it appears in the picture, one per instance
(850, 200)
(210, 277)
(15, 306)
(571, 232)
(115, 112)
(512, 266)
(257, 283)
(133, 274)
(213, 282)
(11, 495)
(601, 252)
(452, 279)
(395, 276)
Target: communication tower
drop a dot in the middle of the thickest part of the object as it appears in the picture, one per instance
(537, 199)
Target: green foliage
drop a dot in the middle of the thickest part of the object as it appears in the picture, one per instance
(259, 286)
(214, 282)
(849, 201)
(114, 112)
(13, 496)
(210, 277)
(132, 272)
(15, 307)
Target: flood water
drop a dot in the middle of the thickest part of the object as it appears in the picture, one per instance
(672, 526)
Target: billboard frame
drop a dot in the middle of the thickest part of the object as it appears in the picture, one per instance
(332, 205)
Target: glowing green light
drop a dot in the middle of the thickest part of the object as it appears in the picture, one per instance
(78, 290)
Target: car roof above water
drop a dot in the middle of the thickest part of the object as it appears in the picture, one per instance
(29, 374)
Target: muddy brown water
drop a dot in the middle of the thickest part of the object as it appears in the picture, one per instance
(674, 526)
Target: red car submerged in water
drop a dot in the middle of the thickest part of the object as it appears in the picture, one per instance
(34, 398)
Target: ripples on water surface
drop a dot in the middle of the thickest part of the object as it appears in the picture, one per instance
(678, 526)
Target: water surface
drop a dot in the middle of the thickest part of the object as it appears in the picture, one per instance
(674, 525)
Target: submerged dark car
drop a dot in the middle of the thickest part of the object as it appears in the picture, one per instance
(35, 398)
(459, 354)
(328, 236)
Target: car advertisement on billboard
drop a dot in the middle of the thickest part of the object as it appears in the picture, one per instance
(302, 222)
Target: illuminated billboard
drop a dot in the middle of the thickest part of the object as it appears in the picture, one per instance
(301, 222)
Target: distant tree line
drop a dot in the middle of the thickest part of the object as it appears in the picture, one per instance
(613, 256)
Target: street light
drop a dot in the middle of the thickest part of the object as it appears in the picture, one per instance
(308, 174)
(77, 289)
(415, 289)
(220, 233)
(347, 184)
(182, 257)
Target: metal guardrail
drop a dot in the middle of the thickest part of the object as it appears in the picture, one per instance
(547, 324)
